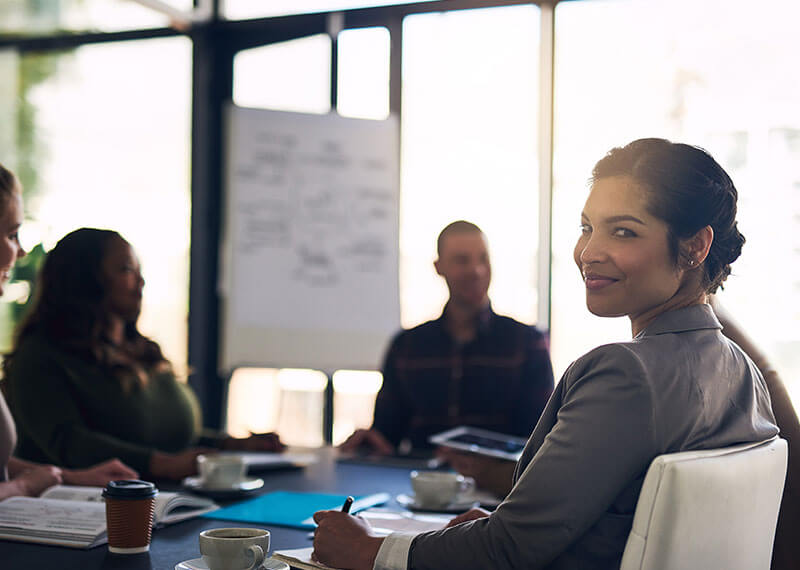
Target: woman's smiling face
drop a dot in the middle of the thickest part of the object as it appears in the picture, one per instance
(623, 253)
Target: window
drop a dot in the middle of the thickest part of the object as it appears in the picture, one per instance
(242, 9)
(469, 151)
(363, 81)
(287, 76)
(101, 137)
(623, 73)
(56, 16)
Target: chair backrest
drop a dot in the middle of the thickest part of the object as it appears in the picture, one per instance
(708, 510)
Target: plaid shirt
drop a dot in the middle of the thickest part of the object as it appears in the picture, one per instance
(500, 380)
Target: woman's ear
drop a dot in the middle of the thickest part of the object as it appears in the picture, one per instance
(696, 248)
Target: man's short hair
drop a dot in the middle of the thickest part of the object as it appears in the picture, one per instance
(457, 227)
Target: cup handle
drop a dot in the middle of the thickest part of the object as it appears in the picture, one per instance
(258, 556)
(467, 486)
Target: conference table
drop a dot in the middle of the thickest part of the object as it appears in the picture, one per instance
(178, 542)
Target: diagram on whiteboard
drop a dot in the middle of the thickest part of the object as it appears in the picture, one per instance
(312, 226)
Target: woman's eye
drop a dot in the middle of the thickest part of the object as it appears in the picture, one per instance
(585, 228)
(624, 232)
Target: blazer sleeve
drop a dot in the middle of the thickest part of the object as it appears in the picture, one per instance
(601, 440)
(45, 410)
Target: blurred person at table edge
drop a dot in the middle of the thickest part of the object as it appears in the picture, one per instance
(85, 385)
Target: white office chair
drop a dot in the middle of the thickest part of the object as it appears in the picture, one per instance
(714, 509)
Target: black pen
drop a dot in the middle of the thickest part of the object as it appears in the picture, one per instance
(348, 502)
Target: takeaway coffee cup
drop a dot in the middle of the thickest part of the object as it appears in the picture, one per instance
(434, 489)
(234, 548)
(221, 471)
(129, 515)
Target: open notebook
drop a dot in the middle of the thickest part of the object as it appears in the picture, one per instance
(76, 516)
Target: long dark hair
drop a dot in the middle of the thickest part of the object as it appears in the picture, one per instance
(69, 311)
(688, 190)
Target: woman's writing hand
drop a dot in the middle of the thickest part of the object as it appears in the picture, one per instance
(344, 541)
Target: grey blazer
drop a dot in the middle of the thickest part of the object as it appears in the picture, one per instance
(678, 385)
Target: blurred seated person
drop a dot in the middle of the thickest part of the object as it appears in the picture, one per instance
(19, 477)
(470, 366)
(85, 385)
(786, 550)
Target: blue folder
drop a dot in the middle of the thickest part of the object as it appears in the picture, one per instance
(291, 508)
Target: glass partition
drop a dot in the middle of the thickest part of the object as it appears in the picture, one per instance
(622, 72)
(469, 151)
(286, 76)
(27, 17)
(363, 67)
(100, 137)
(244, 9)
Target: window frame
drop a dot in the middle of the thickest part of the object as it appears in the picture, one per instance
(216, 41)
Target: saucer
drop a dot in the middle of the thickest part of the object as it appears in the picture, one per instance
(199, 564)
(458, 506)
(243, 487)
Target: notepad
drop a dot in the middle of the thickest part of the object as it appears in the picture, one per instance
(383, 522)
(291, 508)
(300, 558)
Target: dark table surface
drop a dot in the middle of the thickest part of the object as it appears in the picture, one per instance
(178, 542)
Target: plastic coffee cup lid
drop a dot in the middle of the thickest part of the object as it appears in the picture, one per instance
(130, 489)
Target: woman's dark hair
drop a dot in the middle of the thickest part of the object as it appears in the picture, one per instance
(69, 310)
(688, 190)
(9, 185)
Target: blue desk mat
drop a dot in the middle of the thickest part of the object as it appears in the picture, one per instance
(291, 508)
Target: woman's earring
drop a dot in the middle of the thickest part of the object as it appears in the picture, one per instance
(691, 262)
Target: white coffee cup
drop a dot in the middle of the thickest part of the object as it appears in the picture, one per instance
(439, 488)
(221, 471)
(234, 548)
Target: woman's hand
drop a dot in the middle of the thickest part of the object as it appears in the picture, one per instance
(493, 474)
(256, 442)
(100, 474)
(470, 515)
(33, 481)
(344, 541)
(176, 466)
(371, 439)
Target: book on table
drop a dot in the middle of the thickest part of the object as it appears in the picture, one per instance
(76, 516)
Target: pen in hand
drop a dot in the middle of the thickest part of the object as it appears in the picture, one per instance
(348, 502)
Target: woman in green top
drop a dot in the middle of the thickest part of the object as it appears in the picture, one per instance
(18, 477)
(85, 385)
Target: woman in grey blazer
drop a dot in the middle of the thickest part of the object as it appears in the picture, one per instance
(658, 234)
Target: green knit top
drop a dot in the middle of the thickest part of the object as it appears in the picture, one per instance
(72, 413)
